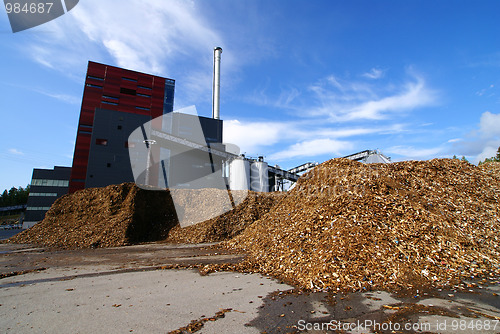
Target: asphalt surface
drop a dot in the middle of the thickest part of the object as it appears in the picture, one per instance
(6, 234)
(132, 290)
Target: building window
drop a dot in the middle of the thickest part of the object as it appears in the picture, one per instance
(85, 132)
(129, 79)
(128, 91)
(95, 78)
(93, 86)
(86, 126)
(143, 95)
(112, 103)
(110, 97)
(43, 194)
(144, 87)
(49, 183)
(102, 142)
(142, 108)
(38, 208)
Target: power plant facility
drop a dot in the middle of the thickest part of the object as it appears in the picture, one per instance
(129, 132)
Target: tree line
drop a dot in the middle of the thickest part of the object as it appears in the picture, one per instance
(15, 196)
(492, 159)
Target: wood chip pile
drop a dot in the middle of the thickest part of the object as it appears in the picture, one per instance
(112, 216)
(229, 224)
(492, 168)
(351, 226)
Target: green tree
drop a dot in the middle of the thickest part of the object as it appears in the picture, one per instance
(15, 196)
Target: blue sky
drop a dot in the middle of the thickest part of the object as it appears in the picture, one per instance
(301, 80)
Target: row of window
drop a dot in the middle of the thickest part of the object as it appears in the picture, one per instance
(44, 194)
(115, 104)
(167, 81)
(38, 208)
(50, 183)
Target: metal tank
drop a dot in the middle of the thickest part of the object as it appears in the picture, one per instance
(259, 177)
(239, 174)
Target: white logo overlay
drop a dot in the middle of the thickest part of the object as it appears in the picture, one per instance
(182, 153)
(26, 14)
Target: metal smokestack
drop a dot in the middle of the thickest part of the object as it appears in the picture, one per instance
(216, 87)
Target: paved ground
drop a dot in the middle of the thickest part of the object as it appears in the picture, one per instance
(6, 234)
(125, 289)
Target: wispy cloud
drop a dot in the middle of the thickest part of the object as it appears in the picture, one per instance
(174, 29)
(356, 101)
(374, 73)
(58, 96)
(15, 151)
(303, 138)
(61, 97)
(312, 148)
(410, 152)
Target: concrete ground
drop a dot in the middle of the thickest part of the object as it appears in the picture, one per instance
(129, 290)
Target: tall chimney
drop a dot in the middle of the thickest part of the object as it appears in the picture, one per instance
(216, 87)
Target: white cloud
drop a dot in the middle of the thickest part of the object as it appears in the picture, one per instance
(374, 73)
(349, 101)
(138, 35)
(252, 136)
(312, 148)
(487, 152)
(414, 95)
(61, 97)
(15, 151)
(410, 152)
(482, 142)
(489, 125)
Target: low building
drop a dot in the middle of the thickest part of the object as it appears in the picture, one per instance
(47, 185)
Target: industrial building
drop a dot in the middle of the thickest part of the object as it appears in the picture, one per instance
(114, 99)
(128, 132)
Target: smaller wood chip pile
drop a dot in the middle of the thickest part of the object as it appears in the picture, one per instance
(229, 224)
(112, 216)
(351, 226)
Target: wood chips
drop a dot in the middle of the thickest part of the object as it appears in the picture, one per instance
(351, 226)
(112, 216)
(345, 226)
(229, 224)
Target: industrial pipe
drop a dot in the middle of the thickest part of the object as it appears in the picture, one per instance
(216, 86)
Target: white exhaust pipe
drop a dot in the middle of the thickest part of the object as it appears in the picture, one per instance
(216, 87)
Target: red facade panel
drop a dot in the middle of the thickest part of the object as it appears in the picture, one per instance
(112, 88)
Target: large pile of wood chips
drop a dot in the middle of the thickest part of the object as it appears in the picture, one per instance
(112, 216)
(352, 226)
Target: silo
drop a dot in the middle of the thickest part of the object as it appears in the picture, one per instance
(239, 174)
(259, 177)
